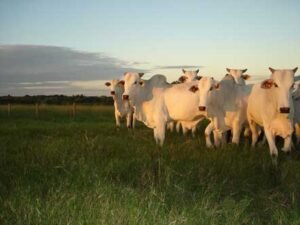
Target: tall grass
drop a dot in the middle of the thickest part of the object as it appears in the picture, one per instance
(57, 170)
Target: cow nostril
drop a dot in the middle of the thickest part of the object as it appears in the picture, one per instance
(284, 110)
(112, 93)
(125, 97)
(202, 108)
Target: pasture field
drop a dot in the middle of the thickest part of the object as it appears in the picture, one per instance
(59, 170)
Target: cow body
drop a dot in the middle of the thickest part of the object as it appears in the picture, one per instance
(296, 102)
(157, 103)
(270, 106)
(225, 107)
(188, 76)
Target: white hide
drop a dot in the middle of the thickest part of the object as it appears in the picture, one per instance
(225, 106)
(146, 96)
(296, 101)
(267, 107)
(122, 109)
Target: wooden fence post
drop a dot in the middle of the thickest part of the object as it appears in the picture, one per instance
(37, 110)
(74, 110)
(8, 109)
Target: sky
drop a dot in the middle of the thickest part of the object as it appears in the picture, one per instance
(73, 47)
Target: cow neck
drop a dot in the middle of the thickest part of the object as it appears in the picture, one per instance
(137, 102)
(119, 102)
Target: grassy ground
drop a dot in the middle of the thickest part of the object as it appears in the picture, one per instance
(56, 170)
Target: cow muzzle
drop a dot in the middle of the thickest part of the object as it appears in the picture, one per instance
(125, 97)
(112, 93)
(284, 110)
(202, 108)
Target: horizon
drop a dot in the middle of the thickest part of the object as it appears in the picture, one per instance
(70, 48)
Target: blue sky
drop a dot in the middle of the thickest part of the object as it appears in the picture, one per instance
(145, 35)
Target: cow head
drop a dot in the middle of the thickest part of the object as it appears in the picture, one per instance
(132, 82)
(116, 87)
(189, 76)
(296, 91)
(204, 88)
(281, 83)
(238, 75)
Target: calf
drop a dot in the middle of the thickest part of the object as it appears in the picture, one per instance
(122, 109)
(270, 106)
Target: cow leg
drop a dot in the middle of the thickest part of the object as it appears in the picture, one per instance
(117, 117)
(207, 133)
(170, 126)
(133, 120)
(161, 134)
(271, 141)
(184, 130)
(297, 132)
(194, 130)
(178, 124)
(287, 146)
(218, 138)
(128, 120)
(247, 131)
(254, 132)
(236, 133)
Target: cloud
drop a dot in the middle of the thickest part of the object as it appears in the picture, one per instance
(23, 67)
(179, 67)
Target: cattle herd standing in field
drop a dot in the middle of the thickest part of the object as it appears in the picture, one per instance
(271, 106)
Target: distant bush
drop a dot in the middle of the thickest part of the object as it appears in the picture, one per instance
(56, 99)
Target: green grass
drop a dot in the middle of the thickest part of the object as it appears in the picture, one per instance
(56, 170)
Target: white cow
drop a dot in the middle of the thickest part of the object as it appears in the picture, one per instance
(156, 102)
(182, 106)
(296, 101)
(122, 109)
(225, 104)
(146, 96)
(187, 76)
(270, 106)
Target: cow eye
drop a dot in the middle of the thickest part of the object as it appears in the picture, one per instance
(211, 88)
(292, 85)
(275, 85)
(135, 82)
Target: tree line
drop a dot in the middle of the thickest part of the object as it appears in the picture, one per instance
(56, 99)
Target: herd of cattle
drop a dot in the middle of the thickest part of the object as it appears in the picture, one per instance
(271, 106)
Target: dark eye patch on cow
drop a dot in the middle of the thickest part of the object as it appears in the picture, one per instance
(275, 85)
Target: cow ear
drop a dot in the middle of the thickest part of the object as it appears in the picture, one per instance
(271, 69)
(198, 77)
(183, 70)
(267, 84)
(121, 82)
(197, 71)
(107, 84)
(244, 71)
(141, 74)
(182, 79)
(194, 88)
(217, 86)
(246, 76)
(295, 70)
(141, 82)
(228, 70)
